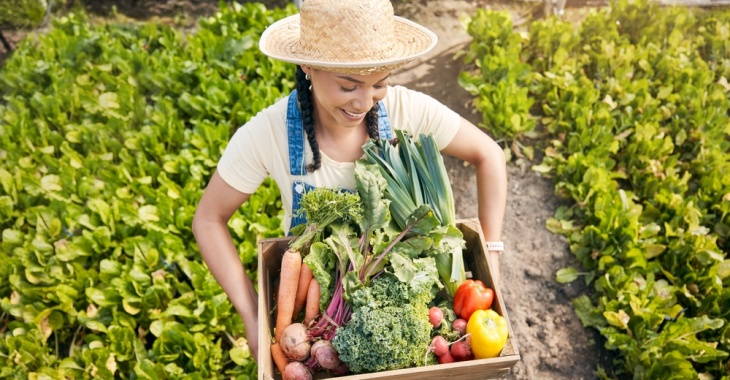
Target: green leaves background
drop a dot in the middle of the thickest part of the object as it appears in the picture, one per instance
(634, 120)
(109, 133)
(108, 136)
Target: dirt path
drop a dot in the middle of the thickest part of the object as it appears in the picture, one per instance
(551, 340)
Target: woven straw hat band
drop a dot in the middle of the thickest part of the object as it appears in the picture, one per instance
(347, 36)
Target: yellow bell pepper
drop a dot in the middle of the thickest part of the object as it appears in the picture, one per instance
(488, 332)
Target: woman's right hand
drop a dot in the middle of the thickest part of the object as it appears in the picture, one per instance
(252, 335)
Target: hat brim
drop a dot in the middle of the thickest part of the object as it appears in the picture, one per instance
(281, 41)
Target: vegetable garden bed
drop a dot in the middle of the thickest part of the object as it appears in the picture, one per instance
(269, 264)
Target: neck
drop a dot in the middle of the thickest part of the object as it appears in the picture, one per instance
(340, 143)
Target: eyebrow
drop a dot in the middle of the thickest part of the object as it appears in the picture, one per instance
(351, 79)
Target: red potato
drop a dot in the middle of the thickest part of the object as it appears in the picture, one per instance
(435, 316)
(295, 342)
(296, 371)
(439, 345)
(325, 354)
(459, 325)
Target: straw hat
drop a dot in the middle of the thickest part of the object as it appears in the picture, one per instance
(347, 36)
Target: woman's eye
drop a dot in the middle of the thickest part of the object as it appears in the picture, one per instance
(351, 89)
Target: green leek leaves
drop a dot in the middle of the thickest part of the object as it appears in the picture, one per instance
(416, 175)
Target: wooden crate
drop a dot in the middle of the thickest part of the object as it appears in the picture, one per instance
(270, 253)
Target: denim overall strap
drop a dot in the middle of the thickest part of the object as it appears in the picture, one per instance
(384, 127)
(295, 132)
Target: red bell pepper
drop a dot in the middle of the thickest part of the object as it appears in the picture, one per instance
(472, 295)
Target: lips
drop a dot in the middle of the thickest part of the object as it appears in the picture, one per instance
(354, 116)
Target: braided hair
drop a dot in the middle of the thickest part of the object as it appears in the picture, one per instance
(304, 95)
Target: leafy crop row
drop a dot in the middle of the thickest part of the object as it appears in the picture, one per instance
(635, 102)
(108, 134)
(499, 83)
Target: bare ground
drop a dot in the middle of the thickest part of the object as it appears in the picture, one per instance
(551, 340)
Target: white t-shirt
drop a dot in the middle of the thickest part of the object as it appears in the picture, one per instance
(260, 148)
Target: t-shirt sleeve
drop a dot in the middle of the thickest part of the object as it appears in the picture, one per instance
(242, 165)
(255, 150)
(417, 113)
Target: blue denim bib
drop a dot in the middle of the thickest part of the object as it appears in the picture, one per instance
(295, 131)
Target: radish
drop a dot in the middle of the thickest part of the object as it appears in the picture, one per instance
(439, 345)
(435, 316)
(446, 358)
(461, 349)
(459, 325)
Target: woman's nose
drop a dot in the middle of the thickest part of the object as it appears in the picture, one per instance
(364, 101)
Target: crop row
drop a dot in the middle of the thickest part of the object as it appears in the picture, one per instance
(108, 136)
(632, 114)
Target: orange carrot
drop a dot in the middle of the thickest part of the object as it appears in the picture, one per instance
(279, 357)
(305, 276)
(291, 265)
(313, 296)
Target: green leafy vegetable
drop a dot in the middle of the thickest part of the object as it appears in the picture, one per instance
(389, 328)
(416, 176)
(109, 134)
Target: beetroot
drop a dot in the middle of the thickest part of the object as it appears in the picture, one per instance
(294, 342)
(296, 371)
(325, 354)
(340, 370)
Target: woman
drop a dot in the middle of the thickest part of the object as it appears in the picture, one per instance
(345, 51)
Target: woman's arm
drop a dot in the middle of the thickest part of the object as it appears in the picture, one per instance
(475, 147)
(210, 227)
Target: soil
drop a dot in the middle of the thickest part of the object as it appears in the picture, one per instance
(551, 340)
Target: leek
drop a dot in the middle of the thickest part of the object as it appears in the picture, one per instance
(416, 175)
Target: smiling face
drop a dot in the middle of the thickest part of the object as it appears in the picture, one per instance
(343, 100)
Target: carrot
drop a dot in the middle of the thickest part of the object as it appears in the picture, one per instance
(313, 296)
(279, 358)
(291, 265)
(305, 276)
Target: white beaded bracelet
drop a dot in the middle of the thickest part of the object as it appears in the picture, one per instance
(497, 246)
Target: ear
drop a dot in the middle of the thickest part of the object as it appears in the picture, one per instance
(307, 70)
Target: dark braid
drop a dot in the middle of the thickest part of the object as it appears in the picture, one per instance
(371, 120)
(304, 95)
